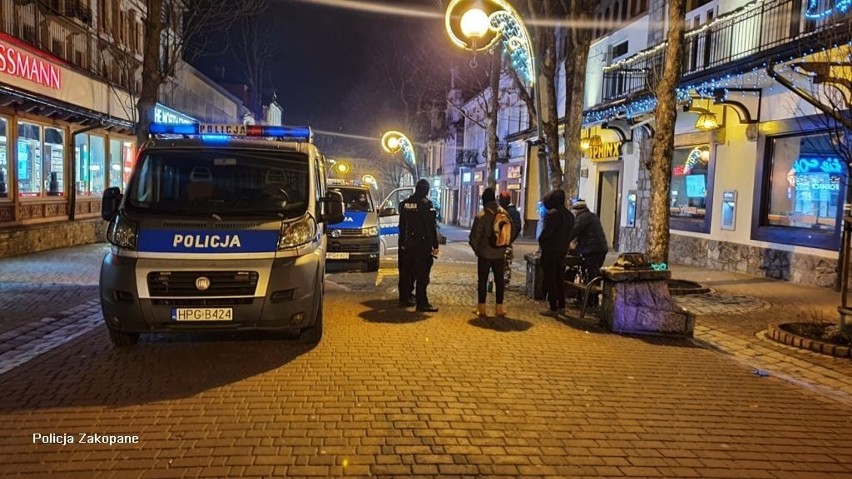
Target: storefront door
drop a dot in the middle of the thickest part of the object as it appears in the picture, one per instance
(607, 205)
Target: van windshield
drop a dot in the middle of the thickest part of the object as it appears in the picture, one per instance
(221, 181)
(355, 199)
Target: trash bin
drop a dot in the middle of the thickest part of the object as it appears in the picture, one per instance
(535, 289)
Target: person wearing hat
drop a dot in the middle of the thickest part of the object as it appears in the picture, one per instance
(505, 202)
(489, 259)
(553, 242)
(590, 238)
(419, 237)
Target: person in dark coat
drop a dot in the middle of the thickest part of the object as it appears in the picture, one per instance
(405, 266)
(505, 201)
(553, 241)
(418, 225)
(489, 259)
(590, 238)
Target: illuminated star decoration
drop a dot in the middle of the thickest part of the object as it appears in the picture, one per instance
(394, 141)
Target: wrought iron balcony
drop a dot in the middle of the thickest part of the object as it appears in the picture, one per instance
(736, 42)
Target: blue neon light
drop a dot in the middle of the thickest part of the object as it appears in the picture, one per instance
(216, 138)
(173, 128)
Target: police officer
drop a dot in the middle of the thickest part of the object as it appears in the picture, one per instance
(405, 265)
(419, 236)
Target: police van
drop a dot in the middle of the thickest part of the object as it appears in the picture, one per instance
(218, 232)
(356, 238)
(389, 220)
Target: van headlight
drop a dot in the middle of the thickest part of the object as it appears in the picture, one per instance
(297, 233)
(123, 233)
(369, 232)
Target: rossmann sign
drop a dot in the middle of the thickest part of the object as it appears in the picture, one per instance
(20, 63)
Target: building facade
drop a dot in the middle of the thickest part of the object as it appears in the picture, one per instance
(757, 180)
(759, 176)
(69, 70)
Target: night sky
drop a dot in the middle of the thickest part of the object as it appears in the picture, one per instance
(325, 49)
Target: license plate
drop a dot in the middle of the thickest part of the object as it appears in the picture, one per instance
(337, 255)
(202, 314)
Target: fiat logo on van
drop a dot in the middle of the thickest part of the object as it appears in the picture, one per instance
(202, 283)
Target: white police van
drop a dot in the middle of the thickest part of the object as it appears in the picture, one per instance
(356, 238)
(389, 220)
(218, 232)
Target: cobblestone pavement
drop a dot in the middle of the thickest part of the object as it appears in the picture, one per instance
(392, 393)
(41, 285)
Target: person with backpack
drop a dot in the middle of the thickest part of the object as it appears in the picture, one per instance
(490, 234)
(553, 241)
(505, 201)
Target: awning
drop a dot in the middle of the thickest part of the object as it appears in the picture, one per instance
(31, 103)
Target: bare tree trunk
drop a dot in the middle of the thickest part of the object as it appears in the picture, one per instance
(575, 73)
(550, 113)
(151, 76)
(662, 145)
(493, 108)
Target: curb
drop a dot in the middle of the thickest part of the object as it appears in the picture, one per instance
(777, 334)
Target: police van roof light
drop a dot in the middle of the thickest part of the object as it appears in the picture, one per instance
(220, 131)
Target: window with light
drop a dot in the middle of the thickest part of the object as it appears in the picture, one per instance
(689, 183)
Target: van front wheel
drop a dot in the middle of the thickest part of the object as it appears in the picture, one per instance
(313, 334)
(120, 338)
(373, 265)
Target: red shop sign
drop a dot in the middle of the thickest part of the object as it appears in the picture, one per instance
(22, 64)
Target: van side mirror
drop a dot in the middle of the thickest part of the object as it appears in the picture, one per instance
(110, 202)
(332, 208)
(388, 212)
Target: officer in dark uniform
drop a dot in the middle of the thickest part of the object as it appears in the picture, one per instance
(418, 234)
(405, 265)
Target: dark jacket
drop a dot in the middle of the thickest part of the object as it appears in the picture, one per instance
(589, 233)
(558, 224)
(515, 215)
(483, 226)
(418, 228)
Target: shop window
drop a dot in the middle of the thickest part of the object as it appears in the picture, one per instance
(690, 191)
(803, 192)
(116, 160)
(97, 165)
(91, 154)
(54, 161)
(129, 155)
(4, 162)
(29, 160)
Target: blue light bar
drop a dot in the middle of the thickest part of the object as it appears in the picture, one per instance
(173, 128)
(221, 132)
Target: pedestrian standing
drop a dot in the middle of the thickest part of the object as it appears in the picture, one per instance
(591, 240)
(418, 223)
(553, 243)
(505, 202)
(405, 264)
(490, 259)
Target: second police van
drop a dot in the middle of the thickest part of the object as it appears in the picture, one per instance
(219, 233)
(356, 238)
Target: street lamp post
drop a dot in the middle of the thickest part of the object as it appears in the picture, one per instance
(394, 141)
(483, 24)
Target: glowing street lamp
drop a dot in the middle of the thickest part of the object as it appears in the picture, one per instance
(341, 167)
(485, 23)
(394, 141)
(370, 180)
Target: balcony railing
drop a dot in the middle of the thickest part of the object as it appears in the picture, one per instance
(745, 36)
